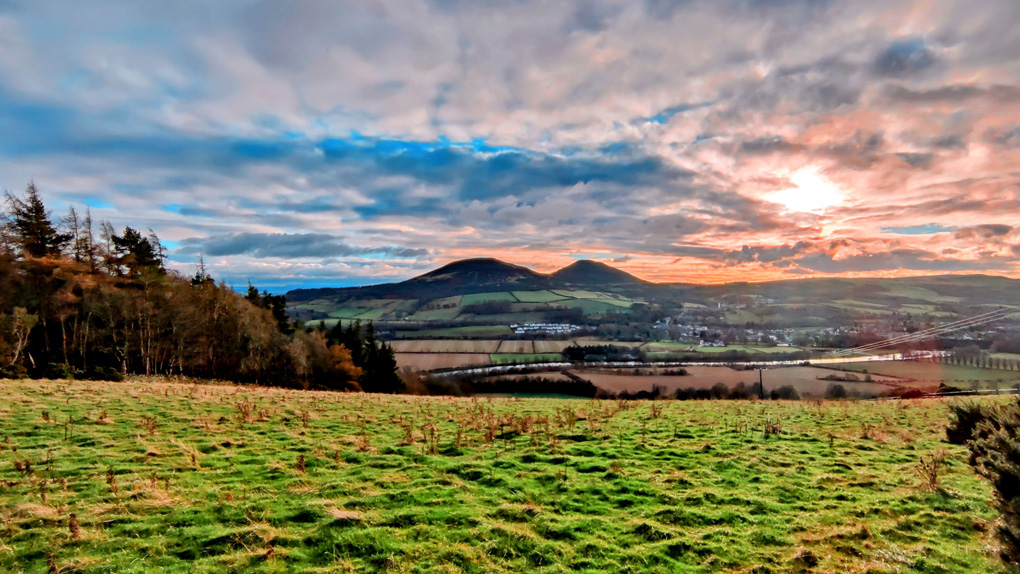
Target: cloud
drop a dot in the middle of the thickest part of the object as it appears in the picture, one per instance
(361, 140)
(904, 57)
(284, 245)
(897, 259)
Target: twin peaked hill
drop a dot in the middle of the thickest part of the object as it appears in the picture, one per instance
(485, 275)
(911, 295)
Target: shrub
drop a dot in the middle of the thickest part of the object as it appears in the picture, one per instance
(928, 469)
(836, 392)
(992, 434)
(786, 393)
(966, 416)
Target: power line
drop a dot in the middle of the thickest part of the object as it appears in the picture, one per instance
(931, 332)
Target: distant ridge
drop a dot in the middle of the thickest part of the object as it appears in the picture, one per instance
(489, 275)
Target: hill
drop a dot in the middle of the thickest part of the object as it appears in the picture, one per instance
(589, 273)
(488, 292)
(479, 274)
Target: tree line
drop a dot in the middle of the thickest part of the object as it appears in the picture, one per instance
(78, 299)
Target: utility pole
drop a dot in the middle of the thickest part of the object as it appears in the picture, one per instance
(761, 386)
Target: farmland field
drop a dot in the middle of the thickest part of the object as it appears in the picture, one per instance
(184, 478)
(578, 294)
(554, 346)
(430, 361)
(498, 359)
(435, 315)
(936, 373)
(476, 298)
(537, 296)
(804, 379)
(594, 306)
(445, 346)
(473, 331)
(516, 347)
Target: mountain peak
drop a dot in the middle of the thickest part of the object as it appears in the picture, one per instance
(480, 271)
(586, 271)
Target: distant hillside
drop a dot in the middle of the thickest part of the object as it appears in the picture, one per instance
(492, 292)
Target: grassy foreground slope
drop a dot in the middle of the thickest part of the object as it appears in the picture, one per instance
(184, 478)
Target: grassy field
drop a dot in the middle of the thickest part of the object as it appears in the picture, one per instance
(183, 478)
(537, 296)
(476, 298)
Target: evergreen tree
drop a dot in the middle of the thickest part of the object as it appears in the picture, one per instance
(137, 253)
(31, 225)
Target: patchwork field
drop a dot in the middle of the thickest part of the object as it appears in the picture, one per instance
(156, 477)
(533, 306)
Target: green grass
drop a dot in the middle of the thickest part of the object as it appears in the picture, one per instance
(435, 315)
(373, 314)
(625, 303)
(537, 296)
(579, 294)
(473, 331)
(603, 487)
(476, 298)
(593, 307)
(348, 312)
(503, 358)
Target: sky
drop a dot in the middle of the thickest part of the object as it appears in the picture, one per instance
(322, 143)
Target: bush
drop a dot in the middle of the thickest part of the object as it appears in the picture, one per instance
(992, 434)
(965, 417)
(58, 371)
(14, 372)
(836, 392)
(786, 393)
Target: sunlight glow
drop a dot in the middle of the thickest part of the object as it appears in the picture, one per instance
(813, 193)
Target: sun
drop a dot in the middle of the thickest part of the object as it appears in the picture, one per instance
(813, 193)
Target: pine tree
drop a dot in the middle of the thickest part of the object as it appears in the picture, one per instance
(135, 252)
(31, 225)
